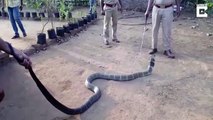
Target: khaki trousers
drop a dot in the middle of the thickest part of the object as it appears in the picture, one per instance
(110, 15)
(164, 16)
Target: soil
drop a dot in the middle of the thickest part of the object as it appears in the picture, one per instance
(179, 89)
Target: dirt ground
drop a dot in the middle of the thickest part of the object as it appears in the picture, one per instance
(179, 89)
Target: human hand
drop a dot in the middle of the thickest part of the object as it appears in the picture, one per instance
(24, 60)
(146, 14)
(2, 9)
(21, 7)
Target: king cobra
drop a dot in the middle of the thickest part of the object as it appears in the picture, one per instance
(88, 84)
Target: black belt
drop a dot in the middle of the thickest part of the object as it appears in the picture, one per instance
(163, 6)
(110, 5)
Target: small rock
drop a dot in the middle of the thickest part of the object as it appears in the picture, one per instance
(208, 22)
(208, 34)
(11, 105)
(193, 27)
(197, 25)
(184, 18)
(189, 18)
(101, 66)
(44, 49)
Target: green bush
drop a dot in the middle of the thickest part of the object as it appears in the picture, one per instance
(210, 6)
(64, 9)
(208, 2)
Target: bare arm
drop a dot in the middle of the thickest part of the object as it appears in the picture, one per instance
(102, 5)
(21, 6)
(5, 47)
(3, 5)
(149, 6)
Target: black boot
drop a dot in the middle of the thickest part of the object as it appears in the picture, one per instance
(15, 37)
(153, 51)
(169, 54)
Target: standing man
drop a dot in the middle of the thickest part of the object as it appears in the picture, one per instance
(13, 10)
(92, 3)
(4, 46)
(162, 13)
(109, 8)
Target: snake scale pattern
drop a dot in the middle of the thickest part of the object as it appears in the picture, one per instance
(88, 84)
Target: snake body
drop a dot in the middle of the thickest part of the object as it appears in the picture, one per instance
(88, 84)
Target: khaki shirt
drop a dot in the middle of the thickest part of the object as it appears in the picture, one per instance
(111, 2)
(12, 3)
(164, 2)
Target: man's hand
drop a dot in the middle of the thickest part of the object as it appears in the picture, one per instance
(147, 14)
(2, 9)
(21, 7)
(102, 12)
(26, 62)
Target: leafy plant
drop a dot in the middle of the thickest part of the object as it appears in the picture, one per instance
(208, 2)
(64, 9)
(73, 20)
(210, 7)
(35, 4)
(80, 14)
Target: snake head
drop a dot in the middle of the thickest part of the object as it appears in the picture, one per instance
(152, 60)
(151, 63)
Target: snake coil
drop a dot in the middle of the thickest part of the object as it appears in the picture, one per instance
(88, 84)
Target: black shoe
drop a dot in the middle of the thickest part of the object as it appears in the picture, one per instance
(116, 40)
(106, 42)
(15, 37)
(169, 54)
(24, 34)
(153, 51)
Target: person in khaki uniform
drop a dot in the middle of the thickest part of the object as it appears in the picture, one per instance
(110, 9)
(162, 13)
(13, 7)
